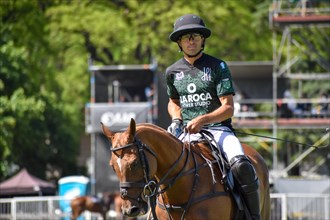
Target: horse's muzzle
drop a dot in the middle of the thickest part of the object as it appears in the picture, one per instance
(134, 211)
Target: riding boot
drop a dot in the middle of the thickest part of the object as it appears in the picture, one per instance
(248, 182)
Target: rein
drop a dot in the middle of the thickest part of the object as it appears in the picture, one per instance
(327, 130)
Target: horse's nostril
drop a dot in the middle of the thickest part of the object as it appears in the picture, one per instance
(134, 211)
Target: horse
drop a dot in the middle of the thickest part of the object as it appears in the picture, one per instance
(92, 204)
(155, 167)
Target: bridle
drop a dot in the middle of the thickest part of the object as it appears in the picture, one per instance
(147, 184)
(151, 187)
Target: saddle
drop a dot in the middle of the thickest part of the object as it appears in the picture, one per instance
(227, 178)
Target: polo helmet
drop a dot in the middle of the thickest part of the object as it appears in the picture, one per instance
(189, 23)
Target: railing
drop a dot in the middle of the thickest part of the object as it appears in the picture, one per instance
(300, 7)
(259, 113)
(32, 208)
(300, 206)
(253, 107)
(283, 207)
(40, 208)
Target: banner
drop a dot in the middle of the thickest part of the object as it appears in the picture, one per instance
(116, 116)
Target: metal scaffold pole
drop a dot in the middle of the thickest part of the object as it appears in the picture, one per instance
(291, 19)
(274, 102)
(93, 135)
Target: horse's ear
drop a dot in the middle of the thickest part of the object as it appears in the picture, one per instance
(132, 127)
(106, 131)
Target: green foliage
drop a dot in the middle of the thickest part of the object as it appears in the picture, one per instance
(32, 112)
(45, 47)
(17, 114)
(135, 31)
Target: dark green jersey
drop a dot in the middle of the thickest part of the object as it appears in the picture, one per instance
(199, 86)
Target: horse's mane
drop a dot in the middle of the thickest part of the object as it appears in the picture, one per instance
(199, 148)
(142, 126)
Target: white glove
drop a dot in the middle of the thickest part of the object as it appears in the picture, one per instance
(176, 127)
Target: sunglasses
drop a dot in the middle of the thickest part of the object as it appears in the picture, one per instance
(191, 36)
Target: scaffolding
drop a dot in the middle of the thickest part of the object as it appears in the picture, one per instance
(291, 20)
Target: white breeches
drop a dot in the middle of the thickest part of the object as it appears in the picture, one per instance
(225, 138)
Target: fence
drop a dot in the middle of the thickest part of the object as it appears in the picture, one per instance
(283, 207)
(300, 206)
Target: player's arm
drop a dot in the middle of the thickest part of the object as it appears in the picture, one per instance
(174, 109)
(225, 111)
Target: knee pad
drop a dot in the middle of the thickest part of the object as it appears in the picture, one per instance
(244, 173)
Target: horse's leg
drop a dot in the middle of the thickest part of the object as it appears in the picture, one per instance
(74, 213)
(79, 212)
(104, 215)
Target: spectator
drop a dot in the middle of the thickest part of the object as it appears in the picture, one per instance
(303, 108)
(322, 108)
(287, 106)
(136, 98)
(324, 105)
(150, 91)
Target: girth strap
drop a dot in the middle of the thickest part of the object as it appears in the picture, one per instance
(197, 200)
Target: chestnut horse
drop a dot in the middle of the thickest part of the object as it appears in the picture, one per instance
(92, 204)
(178, 179)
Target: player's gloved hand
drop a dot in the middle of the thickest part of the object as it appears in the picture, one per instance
(176, 127)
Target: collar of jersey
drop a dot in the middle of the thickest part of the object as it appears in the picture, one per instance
(196, 61)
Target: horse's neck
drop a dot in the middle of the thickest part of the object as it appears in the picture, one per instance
(167, 149)
(171, 160)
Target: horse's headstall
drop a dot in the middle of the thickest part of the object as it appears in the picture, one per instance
(140, 146)
(122, 147)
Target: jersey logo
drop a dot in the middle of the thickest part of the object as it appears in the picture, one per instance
(222, 65)
(206, 74)
(195, 99)
(179, 76)
(226, 83)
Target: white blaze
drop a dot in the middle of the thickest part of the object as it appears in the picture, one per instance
(119, 163)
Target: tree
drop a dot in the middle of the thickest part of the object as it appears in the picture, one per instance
(30, 106)
(45, 47)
